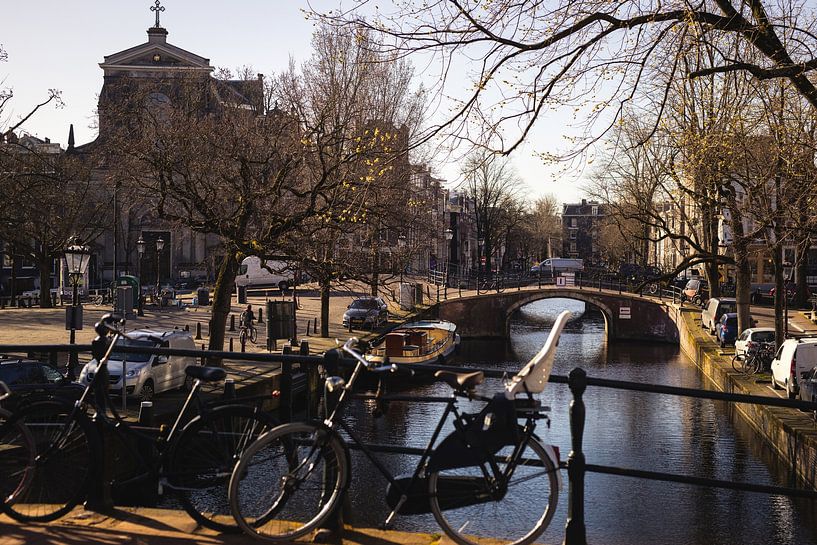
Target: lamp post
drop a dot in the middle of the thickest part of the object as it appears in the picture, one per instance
(76, 261)
(480, 242)
(160, 244)
(449, 235)
(140, 250)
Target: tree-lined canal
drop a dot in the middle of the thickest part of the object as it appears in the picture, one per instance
(627, 429)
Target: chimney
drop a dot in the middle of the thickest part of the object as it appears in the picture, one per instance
(584, 202)
(157, 34)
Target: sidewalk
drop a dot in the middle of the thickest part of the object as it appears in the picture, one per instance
(145, 526)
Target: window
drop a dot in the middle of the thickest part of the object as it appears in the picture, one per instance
(573, 235)
(595, 210)
(573, 222)
(573, 247)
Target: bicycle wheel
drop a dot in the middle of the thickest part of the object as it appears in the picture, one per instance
(517, 512)
(46, 483)
(242, 337)
(288, 482)
(201, 460)
(253, 335)
(738, 362)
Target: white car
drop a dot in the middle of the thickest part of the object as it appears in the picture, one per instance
(146, 374)
(714, 309)
(794, 358)
(753, 335)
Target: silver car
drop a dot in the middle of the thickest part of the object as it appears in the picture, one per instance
(371, 312)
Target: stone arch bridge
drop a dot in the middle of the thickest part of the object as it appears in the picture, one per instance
(627, 316)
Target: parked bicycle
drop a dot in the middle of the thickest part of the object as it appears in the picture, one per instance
(487, 469)
(757, 359)
(43, 479)
(488, 284)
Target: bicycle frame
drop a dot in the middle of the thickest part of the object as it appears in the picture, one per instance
(335, 420)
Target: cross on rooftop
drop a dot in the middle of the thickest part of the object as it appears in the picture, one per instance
(157, 8)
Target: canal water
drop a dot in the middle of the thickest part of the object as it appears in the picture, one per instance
(626, 429)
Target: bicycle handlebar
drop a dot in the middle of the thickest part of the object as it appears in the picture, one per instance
(370, 366)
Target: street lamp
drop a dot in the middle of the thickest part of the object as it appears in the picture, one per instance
(140, 250)
(160, 244)
(449, 235)
(76, 262)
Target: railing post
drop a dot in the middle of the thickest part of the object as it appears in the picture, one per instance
(232, 322)
(285, 408)
(198, 331)
(333, 525)
(575, 532)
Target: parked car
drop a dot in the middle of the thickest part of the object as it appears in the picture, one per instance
(808, 386)
(791, 291)
(752, 336)
(146, 374)
(366, 311)
(714, 309)
(794, 358)
(727, 329)
(33, 380)
(556, 265)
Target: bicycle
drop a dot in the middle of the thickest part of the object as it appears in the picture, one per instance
(757, 359)
(193, 461)
(21, 447)
(486, 285)
(247, 332)
(293, 478)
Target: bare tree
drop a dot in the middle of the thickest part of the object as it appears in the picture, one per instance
(494, 186)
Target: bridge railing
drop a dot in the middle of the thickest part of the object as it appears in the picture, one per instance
(450, 286)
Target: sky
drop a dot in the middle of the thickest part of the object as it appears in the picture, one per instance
(58, 44)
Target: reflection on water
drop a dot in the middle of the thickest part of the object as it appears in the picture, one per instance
(626, 429)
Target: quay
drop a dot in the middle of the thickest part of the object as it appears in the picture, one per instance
(147, 526)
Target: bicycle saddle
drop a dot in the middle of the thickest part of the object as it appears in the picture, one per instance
(205, 374)
(461, 381)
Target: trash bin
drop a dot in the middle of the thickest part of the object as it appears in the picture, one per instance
(124, 301)
(279, 319)
(406, 296)
(242, 295)
(203, 296)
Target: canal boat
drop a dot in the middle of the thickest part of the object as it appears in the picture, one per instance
(426, 341)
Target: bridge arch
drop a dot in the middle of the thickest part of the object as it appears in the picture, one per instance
(606, 311)
(627, 316)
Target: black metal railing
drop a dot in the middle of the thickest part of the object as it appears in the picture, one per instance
(578, 381)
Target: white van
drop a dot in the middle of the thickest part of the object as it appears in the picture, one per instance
(793, 358)
(146, 374)
(556, 265)
(271, 273)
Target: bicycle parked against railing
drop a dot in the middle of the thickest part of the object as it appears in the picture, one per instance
(195, 461)
(494, 283)
(487, 469)
(757, 359)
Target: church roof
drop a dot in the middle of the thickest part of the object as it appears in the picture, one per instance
(155, 55)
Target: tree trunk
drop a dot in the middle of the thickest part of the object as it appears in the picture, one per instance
(222, 302)
(44, 264)
(743, 286)
(801, 265)
(779, 295)
(325, 292)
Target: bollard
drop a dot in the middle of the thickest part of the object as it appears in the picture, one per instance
(146, 413)
(198, 331)
(203, 360)
(229, 389)
(260, 315)
(575, 532)
(231, 344)
(315, 326)
(187, 327)
(232, 322)
(308, 325)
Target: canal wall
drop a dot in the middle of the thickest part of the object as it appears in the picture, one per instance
(791, 434)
